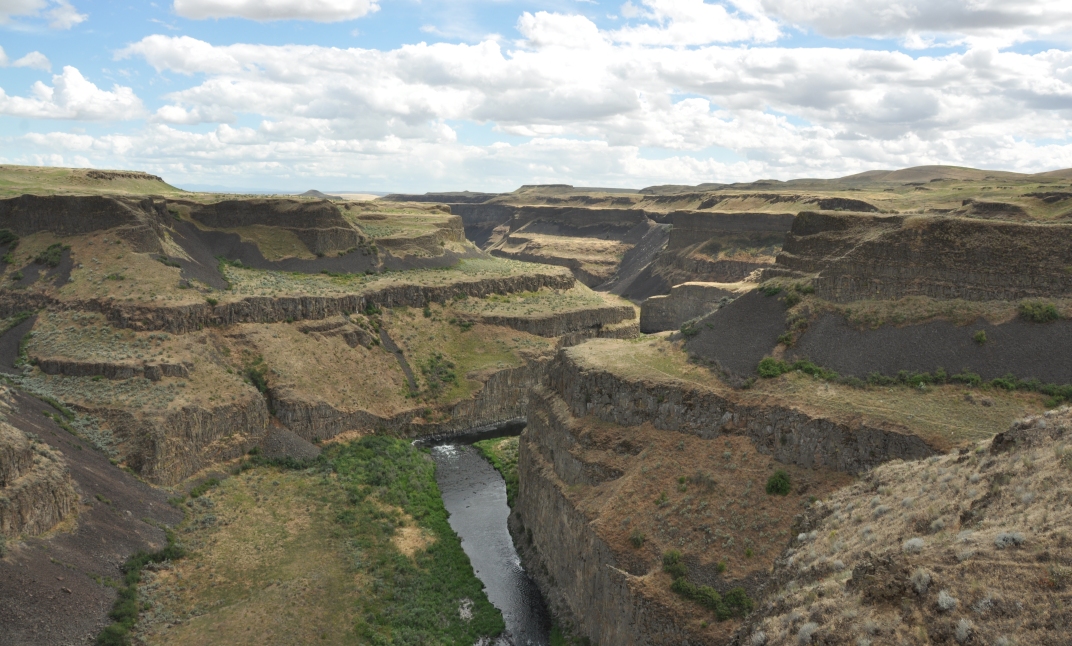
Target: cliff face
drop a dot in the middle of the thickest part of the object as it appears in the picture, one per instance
(172, 445)
(685, 302)
(890, 257)
(600, 447)
(319, 225)
(138, 221)
(36, 491)
(788, 435)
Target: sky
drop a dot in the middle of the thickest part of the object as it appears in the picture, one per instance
(427, 95)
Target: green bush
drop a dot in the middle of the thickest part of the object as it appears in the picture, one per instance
(211, 301)
(689, 329)
(673, 566)
(735, 603)
(8, 238)
(792, 298)
(778, 484)
(125, 610)
(769, 367)
(52, 255)
(979, 337)
(637, 538)
(770, 290)
(1039, 311)
(203, 488)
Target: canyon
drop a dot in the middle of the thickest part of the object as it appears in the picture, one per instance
(671, 352)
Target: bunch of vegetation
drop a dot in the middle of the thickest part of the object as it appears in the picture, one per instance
(257, 374)
(414, 599)
(779, 484)
(438, 371)
(52, 255)
(689, 329)
(735, 603)
(124, 613)
(1039, 311)
(502, 452)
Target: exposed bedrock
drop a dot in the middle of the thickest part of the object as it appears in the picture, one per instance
(789, 435)
(72, 368)
(503, 396)
(265, 309)
(174, 444)
(580, 576)
(685, 302)
(890, 257)
(319, 225)
(588, 322)
(140, 222)
(36, 491)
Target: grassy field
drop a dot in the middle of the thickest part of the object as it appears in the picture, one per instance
(356, 550)
(45, 180)
(943, 415)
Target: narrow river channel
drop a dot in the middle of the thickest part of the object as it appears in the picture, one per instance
(475, 495)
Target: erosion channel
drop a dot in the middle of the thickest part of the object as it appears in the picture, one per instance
(474, 494)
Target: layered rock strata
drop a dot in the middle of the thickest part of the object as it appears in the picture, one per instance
(685, 302)
(36, 491)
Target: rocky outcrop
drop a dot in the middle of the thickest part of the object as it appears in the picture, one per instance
(789, 435)
(318, 224)
(72, 368)
(166, 447)
(36, 491)
(266, 309)
(685, 302)
(138, 221)
(588, 322)
(891, 257)
(581, 577)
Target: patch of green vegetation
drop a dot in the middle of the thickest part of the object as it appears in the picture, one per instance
(438, 371)
(769, 368)
(15, 320)
(502, 453)
(689, 329)
(770, 290)
(57, 405)
(204, 487)
(735, 603)
(1039, 311)
(8, 239)
(257, 374)
(979, 337)
(52, 255)
(411, 600)
(778, 484)
(124, 614)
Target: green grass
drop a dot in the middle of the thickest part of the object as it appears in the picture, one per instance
(413, 600)
(501, 452)
(124, 614)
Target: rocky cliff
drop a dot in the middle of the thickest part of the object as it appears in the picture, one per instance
(685, 302)
(36, 491)
(890, 257)
(139, 221)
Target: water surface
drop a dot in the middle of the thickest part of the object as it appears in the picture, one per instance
(475, 495)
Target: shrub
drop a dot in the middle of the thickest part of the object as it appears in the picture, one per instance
(16, 275)
(963, 630)
(720, 567)
(673, 566)
(7, 237)
(806, 631)
(637, 538)
(52, 255)
(921, 580)
(946, 601)
(778, 484)
(1008, 539)
(203, 488)
(769, 367)
(770, 290)
(1039, 311)
(979, 337)
(212, 301)
(735, 603)
(438, 371)
(913, 546)
(689, 329)
(792, 298)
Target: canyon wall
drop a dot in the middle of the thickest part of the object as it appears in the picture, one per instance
(36, 490)
(685, 302)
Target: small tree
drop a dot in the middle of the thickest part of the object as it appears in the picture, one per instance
(778, 484)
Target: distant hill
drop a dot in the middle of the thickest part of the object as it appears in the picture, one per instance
(317, 194)
(46, 180)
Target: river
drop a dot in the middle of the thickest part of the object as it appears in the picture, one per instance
(475, 495)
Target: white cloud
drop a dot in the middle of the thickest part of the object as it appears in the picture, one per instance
(593, 103)
(64, 15)
(34, 60)
(59, 13)
(1001, 19)
(265, 10)
(695, 22)
(71, 96)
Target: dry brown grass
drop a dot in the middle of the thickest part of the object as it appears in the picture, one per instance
(267, 566)
(942, 415)
(988, 530)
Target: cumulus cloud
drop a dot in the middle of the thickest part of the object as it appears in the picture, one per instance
(34, 60)
(71, 96)
(592, 104)
(1000, 18)
(60, 14)
(695, 22)
(265, 10)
